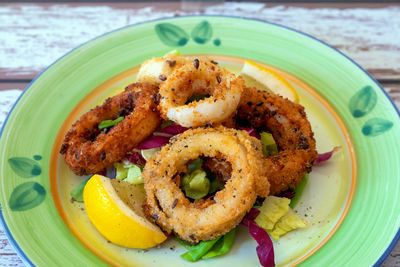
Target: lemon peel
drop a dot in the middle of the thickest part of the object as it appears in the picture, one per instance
(115, 209)
(264, 78)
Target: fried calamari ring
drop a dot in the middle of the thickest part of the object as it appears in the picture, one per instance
(203, 78)
(167, 205)
(292, 132)
(88, 150)
(156, 70)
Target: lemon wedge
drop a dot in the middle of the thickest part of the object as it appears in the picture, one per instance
(264, 78)
(115, 209)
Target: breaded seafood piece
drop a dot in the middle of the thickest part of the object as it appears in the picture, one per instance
(166, 204)
(88, 150)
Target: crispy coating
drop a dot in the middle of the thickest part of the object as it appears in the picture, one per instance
(88, 150)
(287, 122)
(157, 70)
(167, 205)
(223, 90)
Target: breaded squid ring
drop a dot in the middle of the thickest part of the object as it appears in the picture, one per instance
(88, 150)
(156, 70)
(204, 78)
(287, 122)
(167, 205)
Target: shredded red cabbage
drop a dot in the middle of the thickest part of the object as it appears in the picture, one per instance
(288, 194)
(265, 248)
(325, 156)
(111, 172)
(103, 172)
(158, 140)
(173, 129)
(251, 132)
(153, 141)
(137, 158)
(250, 216)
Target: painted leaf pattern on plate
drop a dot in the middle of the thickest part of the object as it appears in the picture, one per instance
(363, 102)
(25, 167)
(27, 196)
(376, 126)
(171, 34)
(202, 33)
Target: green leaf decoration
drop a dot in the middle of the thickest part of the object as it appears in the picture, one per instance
(171, 34)
(37, 157)
(217, 42)
(363, 102)
(376, 126)
(25, 167)
(202, 33)
(27, 196)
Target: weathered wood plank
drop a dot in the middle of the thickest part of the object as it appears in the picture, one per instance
(33, 36)
(8, 257)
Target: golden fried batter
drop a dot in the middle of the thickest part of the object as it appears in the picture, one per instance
(167, 205)
(288, 124)
(88, 150)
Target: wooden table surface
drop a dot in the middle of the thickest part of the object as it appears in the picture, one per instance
(32, 36)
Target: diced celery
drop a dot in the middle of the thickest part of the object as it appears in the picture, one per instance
(121, 171)
(196, 185)
(134, 175)
(269, 146)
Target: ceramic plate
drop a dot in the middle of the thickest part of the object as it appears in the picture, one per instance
(350, 203)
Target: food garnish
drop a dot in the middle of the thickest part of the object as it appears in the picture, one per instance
(196, 184)
(265, 248)
(327, 155)
(267, 79)
(77, 192)
(277, 218)
(129, 172)
(269, 145)
(298, 191)
(208, 249)
(290, 221)
(272, 209)
(208, 147)
(114, 208)
(110, 123)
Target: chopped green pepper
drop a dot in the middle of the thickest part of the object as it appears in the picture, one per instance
(196, 252)
(196, 185)
(223, 245)
(110, 123)
(134, 175)
(128, 172)
(269, 146)
(77, 192)
(298, 190)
